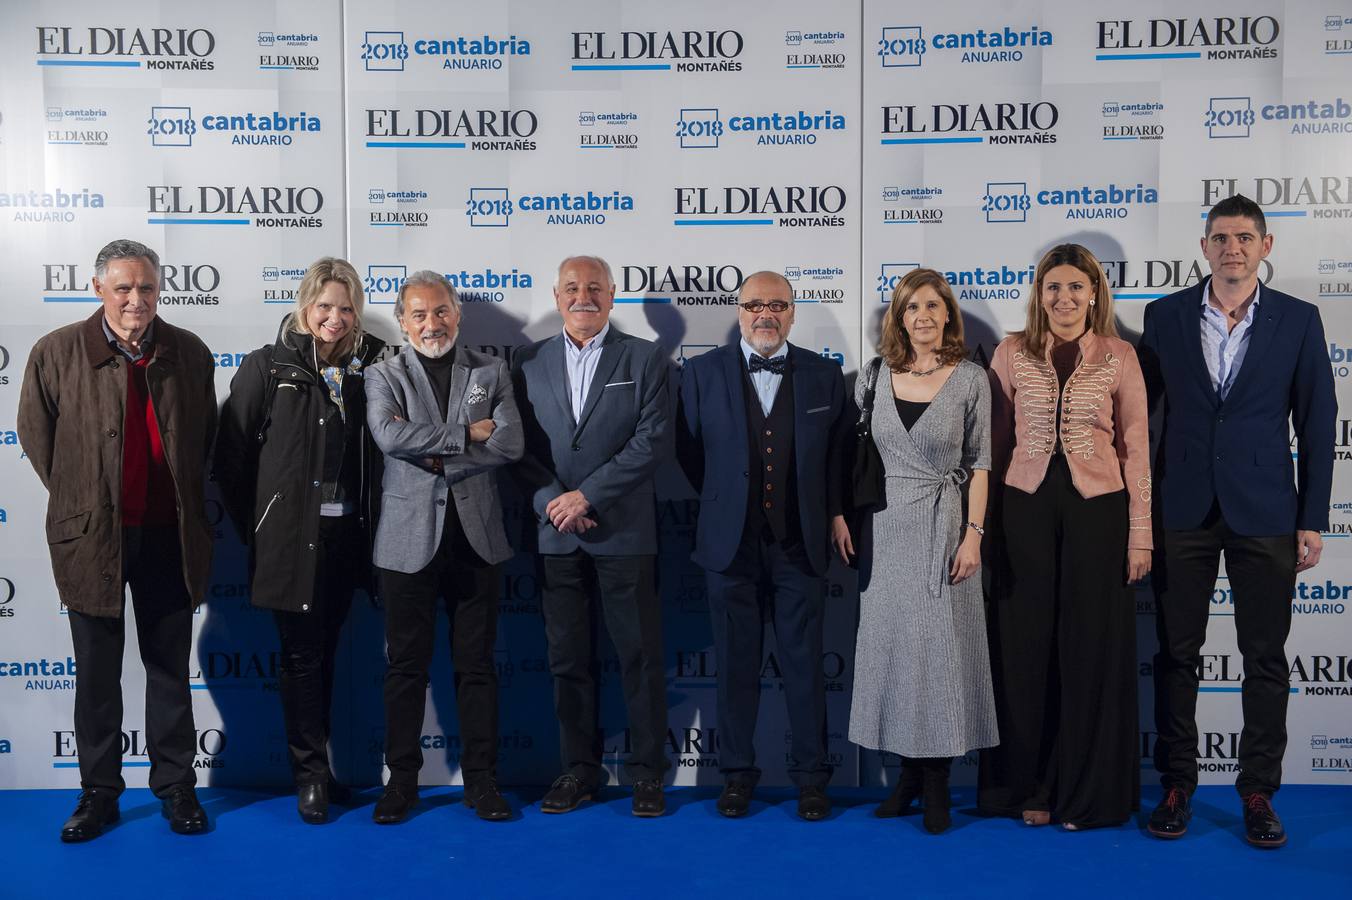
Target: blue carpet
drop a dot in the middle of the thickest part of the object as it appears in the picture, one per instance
(258, 847)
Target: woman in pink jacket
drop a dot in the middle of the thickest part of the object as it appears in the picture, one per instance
(1071, 448)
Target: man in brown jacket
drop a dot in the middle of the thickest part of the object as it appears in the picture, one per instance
(117, 415)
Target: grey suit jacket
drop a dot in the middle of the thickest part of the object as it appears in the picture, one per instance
(610, 455)
(413, 504)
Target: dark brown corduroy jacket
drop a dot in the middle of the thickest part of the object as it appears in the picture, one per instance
(71, 409)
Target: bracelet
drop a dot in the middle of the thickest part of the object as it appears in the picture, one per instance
(975, 527)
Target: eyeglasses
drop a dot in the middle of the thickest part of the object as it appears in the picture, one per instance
(755, 307)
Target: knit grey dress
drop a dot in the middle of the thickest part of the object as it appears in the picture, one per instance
(922, 681)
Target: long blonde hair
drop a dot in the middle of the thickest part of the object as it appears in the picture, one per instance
(1100, 319)
(320, 273)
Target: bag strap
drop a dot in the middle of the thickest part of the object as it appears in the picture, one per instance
(866, 412)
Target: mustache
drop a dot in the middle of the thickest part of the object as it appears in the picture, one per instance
(584, 306)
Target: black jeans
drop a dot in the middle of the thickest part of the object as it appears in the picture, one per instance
(633, 615)
(470, 588)
(152, 564)
(1262, 572)
(769, 580)
(310, 644)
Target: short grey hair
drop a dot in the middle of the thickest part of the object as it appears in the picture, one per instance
(124, 249)
(594, 260)
(776, 275)
(425, 278)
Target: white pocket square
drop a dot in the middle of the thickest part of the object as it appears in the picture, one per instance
(619, 383)
(477, 394)
(817, 410)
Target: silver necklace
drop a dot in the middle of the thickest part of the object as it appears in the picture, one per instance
(913, 373)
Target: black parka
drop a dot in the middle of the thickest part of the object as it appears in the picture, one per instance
(269, 462)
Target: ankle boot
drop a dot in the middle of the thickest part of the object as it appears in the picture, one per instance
(904, 792)
(935, 796)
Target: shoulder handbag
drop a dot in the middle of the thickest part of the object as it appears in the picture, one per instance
(867, 481)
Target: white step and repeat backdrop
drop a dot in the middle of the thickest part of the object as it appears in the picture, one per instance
(690, 145)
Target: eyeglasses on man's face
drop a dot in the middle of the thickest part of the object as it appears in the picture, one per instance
(756, 307)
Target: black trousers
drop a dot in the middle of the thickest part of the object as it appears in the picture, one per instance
(309, 645)
(152, 563)
(769, 580)
(470, 588)
(1063, 653)
(1262, 573)
(626, 586)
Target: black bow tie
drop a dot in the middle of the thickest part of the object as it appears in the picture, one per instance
(776, 365)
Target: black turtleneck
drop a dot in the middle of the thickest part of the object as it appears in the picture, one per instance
(439, 373)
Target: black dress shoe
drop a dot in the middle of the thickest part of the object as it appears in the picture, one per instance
(483, 797)
(903, 794)
(649, 801)
(312, 802)
(1169, 820)
(1262, 828)
(95, 810)
(813, 804)
(565, 795)
(395, 804)
(185, 814)
(735, 799)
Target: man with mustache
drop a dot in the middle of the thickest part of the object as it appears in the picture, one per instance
(759, 435)
(445, 418)
(596, 412)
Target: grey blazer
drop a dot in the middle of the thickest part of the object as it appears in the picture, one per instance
(413, 504)
(610, 455)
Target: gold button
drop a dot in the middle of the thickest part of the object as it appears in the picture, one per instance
(769, 505)
(768, 432)
(769, 468)
(769, 449)
(769, 487)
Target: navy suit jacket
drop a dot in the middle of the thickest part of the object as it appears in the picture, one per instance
(610, 454)
(1238, 451)
(712, 447)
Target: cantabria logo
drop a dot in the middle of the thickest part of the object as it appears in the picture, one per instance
(491, 207)
(1132, 120)
(1235, 117)
(606, 130)
(281, 61)
(398, 208)
(912, 205)
(703, 127)
(1297, 196)
(905, 46)
(684, 285)
(809, 49)
(175, 126)
(451, 129)
(657, 51)
(1219, 38)
(40, 674)
(1023, 122)
(49, 206)
(1110, 201)
(67, 126)
(388, 51)
(788, 206)
(477, 286)
(121, 47)
(260, 206)
(1335, 278)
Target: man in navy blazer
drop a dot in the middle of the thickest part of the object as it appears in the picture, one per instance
(758, 435)
(596, 413)
(1238, 367)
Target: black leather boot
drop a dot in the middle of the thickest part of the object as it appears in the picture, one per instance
(904, 792)
(934, 794)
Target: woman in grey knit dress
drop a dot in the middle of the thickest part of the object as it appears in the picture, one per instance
(922, 683)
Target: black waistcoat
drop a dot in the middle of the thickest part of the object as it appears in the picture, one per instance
(772, 497)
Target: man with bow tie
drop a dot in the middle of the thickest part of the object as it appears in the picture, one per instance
(759, 435)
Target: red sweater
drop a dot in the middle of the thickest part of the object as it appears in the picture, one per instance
(147, 485)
